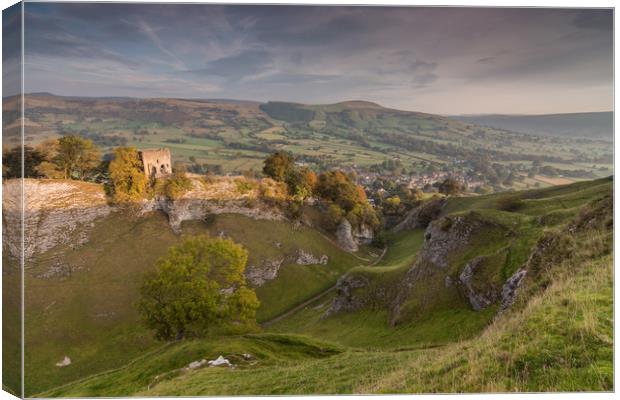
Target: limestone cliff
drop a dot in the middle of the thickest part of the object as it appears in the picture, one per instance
(349, 238)
(55, 212)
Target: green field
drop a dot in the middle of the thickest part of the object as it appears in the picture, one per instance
(90, 316)
(238, 135)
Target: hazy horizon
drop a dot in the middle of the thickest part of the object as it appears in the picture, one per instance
(449, 61)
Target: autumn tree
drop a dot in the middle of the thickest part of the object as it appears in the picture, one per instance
(48, 168)
(340, 190)
(301, 182)
(127, 175)
(450, 186)
(197, 288)
(278, 165)
(76, 156)
(337, 187)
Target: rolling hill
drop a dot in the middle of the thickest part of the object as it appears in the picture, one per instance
(235, 136)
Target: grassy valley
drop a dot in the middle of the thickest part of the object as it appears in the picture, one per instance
(557, 336)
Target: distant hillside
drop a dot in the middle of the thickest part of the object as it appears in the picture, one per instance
(593, 125)
(232, 136)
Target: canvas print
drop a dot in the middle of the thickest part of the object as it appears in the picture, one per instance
(205, 199)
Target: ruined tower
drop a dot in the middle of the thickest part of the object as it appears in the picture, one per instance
(156, 162)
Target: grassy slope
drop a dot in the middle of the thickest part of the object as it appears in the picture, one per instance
(11, 326)
(90, 316)
(369, 328)
(559, 340)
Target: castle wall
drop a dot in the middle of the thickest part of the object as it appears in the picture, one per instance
(157, 162)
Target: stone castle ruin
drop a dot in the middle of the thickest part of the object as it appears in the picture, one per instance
(156, 162)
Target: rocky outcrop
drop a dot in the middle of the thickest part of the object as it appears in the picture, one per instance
(55, 213)
(422, 216)
(349, 239)
(268, 270)
(306, 258)
(446, 235)
(345, 299)
(443, 239)
(509, 290)
(345, 236)
(482, 295)
(195, 208)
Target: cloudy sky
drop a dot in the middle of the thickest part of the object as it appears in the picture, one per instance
(439, 60)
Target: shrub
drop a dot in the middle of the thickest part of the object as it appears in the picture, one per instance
(177, 185)
(244, 186)
(509, 203)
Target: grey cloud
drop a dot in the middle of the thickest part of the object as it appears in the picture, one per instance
(594, 19)
(238, 66)
(423, 80)
(486, 60)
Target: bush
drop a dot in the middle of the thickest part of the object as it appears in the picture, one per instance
(509, 203)
(244, 186)
(293, 210)
(177, 185)
(380, 240)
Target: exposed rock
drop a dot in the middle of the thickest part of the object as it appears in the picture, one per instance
(422, 216)
(442, 238)
(479, 298)
(305, 258)
(446, 235)
(345, 236)
(197, 364)
(219, 362)
(363, 235)
(58, 270)
(228, 291)
(509, 290)
(193, 207)
(65, 362)
(345, 299)
(55, 213)
(268, 270)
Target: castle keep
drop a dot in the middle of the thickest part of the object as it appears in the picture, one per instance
(156, 162)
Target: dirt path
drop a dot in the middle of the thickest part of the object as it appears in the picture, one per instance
(313, 299)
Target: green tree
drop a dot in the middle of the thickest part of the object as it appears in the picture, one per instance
(278, 165)
(198, 288)
(76, 156)
(127, 175)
